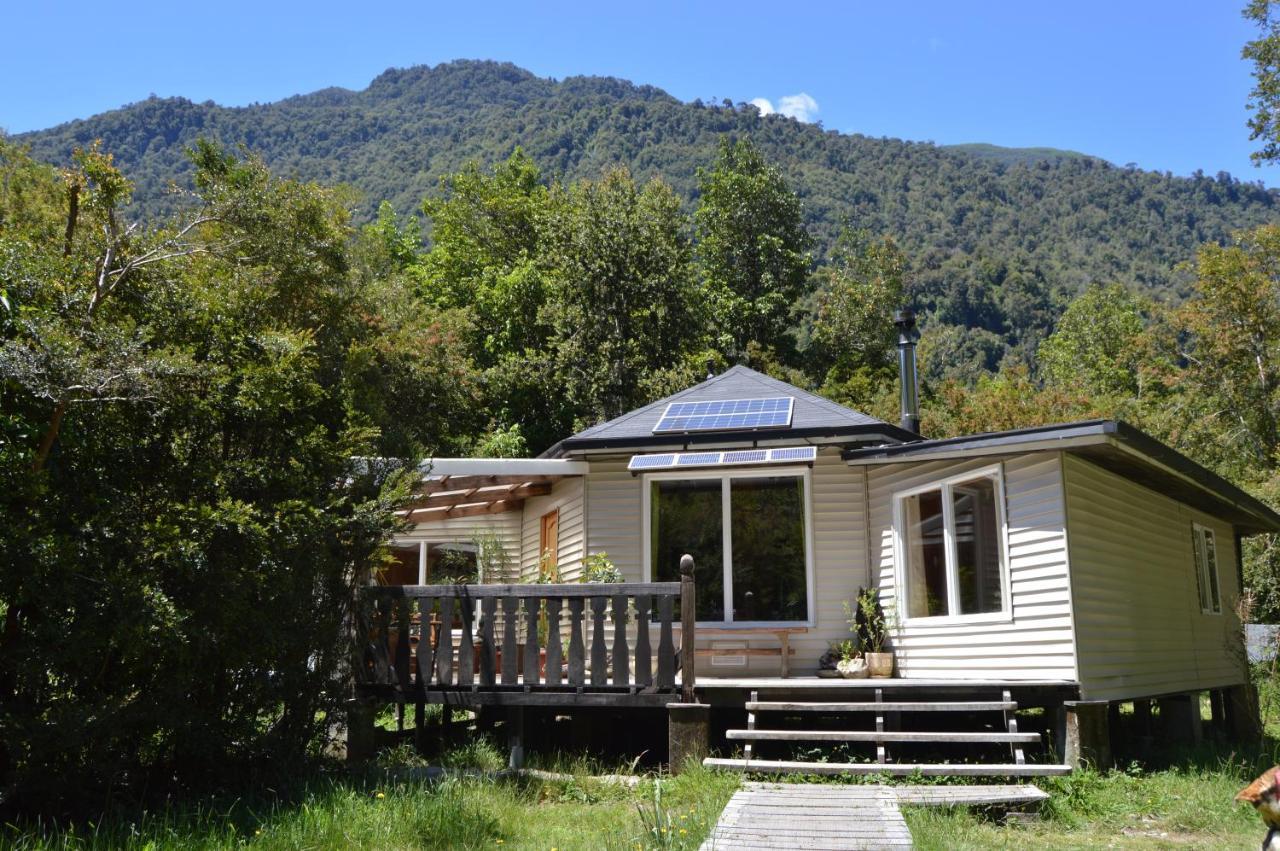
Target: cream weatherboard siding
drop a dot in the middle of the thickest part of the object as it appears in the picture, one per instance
(504, 527)
(1035, 641)
(1139, 628)
(615, 526)
(566, 496)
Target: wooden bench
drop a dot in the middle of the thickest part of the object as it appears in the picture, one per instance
(783, 651)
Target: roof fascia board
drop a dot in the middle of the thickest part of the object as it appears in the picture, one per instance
(503, 467)
(958, 453)
(724, 439)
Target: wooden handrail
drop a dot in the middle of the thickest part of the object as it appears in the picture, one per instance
(500, 650)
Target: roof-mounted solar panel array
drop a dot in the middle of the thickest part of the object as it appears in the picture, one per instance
(732, 458)
(726, 415)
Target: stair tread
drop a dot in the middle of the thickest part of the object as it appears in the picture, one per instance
(883, 706)
(893, 768)
(875, 736)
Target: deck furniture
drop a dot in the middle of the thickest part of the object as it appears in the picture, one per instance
(783, 634)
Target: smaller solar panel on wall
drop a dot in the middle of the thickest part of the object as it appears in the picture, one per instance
(645, 462)
(802, 453)
(726, 415)
(738, 457)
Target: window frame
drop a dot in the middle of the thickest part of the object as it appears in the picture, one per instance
(995, 472)
(802, 472)
(1201, 536)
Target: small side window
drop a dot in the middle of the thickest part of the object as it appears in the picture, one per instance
(1206, 557)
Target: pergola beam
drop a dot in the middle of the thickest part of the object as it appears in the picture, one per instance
(461, 483)
(499, 507)
(477, 495)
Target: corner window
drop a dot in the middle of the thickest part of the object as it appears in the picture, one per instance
(951, 547)
(1206, 555)
(748, 535)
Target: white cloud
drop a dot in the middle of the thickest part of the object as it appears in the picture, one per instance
(801, 107)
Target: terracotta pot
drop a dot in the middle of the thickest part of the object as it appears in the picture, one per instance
(880, 664)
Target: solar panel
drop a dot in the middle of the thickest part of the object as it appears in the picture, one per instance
(646, 462)
(737, 457)
(726, 415)
(803, 453)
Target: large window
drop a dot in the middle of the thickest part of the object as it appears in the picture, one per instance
(748, 536)
(1206, 552)
(951, 547)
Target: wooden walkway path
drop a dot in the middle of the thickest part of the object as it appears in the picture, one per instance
(822, 816)
(810, 815)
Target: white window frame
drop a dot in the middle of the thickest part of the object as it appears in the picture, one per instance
(994, 472)
(1202, 536)
(804, 473)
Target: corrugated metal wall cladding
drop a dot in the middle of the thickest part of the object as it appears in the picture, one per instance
(1138, 617)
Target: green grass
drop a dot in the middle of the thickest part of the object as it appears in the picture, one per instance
(336, 811)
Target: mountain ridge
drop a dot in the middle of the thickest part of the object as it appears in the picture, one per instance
(998, 238)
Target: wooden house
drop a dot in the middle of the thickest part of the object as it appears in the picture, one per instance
(1072, 566)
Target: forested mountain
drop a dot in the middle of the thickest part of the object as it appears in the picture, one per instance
(996, 238)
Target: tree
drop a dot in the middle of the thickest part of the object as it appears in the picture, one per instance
(752, 247)
(178, 546)
(1231, 332)
(1264, 100)
(1097, 345)
(624, 305)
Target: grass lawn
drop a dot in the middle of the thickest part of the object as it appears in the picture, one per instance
(334, 811)
(1180, 799)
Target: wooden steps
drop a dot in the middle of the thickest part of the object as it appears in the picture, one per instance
(894, 769)
(995, 722)
(883, 706)
(876, 736)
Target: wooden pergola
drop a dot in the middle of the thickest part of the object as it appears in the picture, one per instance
(465, 487)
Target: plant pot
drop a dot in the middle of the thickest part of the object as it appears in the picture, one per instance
(852, 669)
(880, 664)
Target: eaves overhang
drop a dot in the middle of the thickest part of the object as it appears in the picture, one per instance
(1114, 445)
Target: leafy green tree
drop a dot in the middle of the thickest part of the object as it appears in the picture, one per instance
(184, 513)
(1231, 329)
(1098, 344)
(624, 305)
(1264, 100)
(753, 248)
(854, 337)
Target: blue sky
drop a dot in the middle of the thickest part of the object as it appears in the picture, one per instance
(1160, 84)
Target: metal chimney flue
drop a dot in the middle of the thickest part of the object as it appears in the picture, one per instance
(905, 321)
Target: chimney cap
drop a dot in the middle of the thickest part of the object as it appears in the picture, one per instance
(904, 318)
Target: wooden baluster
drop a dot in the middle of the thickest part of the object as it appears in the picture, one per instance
(510, 664)
(688, 630)
(402, 646)
(599, 651)
(666, 646)
(577, 650)
(644, 657)
(382, 643)
(426, 653)
(621, 656)
(444, 643)
(466, 650)
(554, 652)
(531, 612)
(488, 650)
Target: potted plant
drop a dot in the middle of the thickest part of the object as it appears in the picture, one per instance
(869, 624)
(851, 665)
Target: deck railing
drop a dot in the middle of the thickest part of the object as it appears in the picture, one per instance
(572, 637)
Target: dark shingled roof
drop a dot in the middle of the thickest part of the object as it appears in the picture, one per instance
(813, 416)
